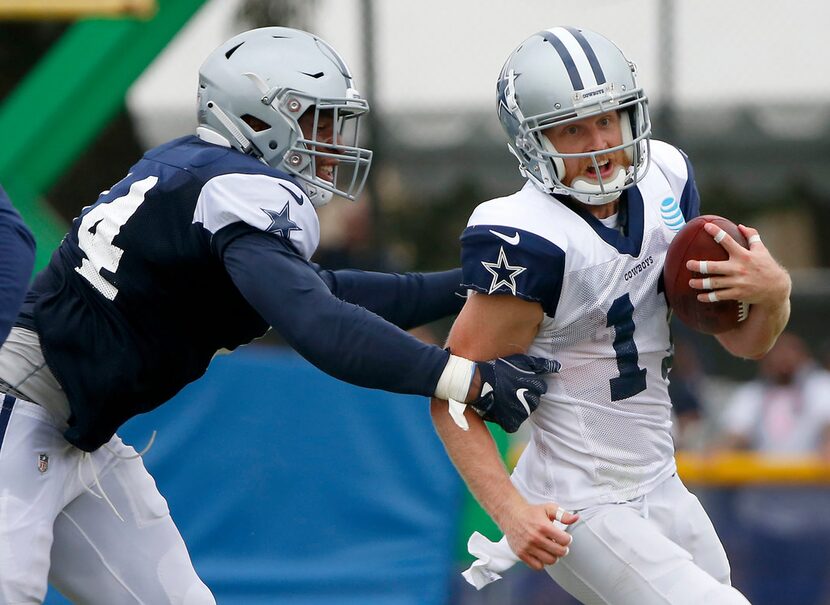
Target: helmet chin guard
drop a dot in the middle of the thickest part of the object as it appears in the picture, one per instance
(597, 194)
(562, 75)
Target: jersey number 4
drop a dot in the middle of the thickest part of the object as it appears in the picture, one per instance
(98, 228)
(632, 378)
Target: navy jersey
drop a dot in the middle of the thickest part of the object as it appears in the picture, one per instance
(136, 301)
(146, 288)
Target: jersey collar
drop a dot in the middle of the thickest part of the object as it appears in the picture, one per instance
(628, 239)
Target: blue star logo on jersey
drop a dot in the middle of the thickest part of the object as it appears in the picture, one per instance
(504, 274)
(281, 222)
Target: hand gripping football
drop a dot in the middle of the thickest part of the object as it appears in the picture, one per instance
(693, 243)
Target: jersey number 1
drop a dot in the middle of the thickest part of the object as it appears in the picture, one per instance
(632, 378)
(98, 228)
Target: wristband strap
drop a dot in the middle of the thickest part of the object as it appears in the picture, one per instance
(455, 379)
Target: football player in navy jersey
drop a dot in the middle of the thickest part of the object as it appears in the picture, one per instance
(17, 257)
(570, 267)
(202, 246)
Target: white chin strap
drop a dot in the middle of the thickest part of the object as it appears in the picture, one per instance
(592, 194)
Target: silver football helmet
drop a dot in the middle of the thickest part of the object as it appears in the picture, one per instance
(270, 77)
(565, 74)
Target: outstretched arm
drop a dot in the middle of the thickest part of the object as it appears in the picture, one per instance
(493, 326)
(404, 299)
(752, 276)
(342, 339)
(355, 345)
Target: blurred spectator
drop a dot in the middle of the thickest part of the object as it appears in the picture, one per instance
(785, 411)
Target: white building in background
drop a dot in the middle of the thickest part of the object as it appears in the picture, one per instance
(442, 57)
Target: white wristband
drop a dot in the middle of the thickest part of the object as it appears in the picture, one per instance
(455, 379)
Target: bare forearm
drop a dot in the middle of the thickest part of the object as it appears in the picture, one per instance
(477, 460)
(754, 277)
(756, 335)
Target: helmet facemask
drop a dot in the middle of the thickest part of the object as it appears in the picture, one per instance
(635, 144)
(331, 140)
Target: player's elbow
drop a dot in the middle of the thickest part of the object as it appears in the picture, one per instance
(755, 355)
(744, 348)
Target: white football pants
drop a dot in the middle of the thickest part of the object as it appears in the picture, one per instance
(55, 523)
(657, 550)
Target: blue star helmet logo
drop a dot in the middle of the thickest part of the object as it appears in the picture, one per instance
(502, 85)
(504, 274)
(281, 222)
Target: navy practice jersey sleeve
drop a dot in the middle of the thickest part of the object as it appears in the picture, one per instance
(342, 339)
(500, 260)
(17, 257)
(406, 300)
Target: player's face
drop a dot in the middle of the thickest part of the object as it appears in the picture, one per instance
(325, 134)
(593, 133)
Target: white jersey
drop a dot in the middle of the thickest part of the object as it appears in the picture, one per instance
(602, 433)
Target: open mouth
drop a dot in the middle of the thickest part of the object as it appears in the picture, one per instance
(326, 173)
(606, 169)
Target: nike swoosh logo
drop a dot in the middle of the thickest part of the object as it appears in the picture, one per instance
(520, 395)
(297, 198)
(512, 240)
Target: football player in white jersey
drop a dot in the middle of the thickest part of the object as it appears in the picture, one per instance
(570, 267)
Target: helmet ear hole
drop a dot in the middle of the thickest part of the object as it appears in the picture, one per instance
(255, 123)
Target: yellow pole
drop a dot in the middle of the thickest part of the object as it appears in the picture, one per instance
(75, 9)
(746, 468)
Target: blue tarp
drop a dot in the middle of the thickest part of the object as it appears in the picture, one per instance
(292, 487)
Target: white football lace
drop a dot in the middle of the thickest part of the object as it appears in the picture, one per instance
(743, 310)
(102, 495)
(86, 456)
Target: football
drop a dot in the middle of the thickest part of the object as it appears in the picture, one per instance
(693, 243)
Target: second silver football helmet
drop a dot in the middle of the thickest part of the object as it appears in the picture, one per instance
(271, 77)
(561, 75)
